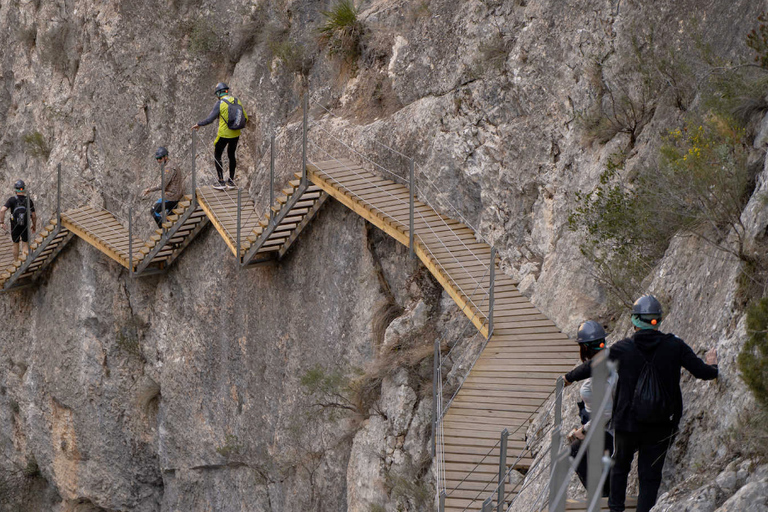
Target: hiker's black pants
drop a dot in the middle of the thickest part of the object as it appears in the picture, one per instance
(157, 211)
(218, 151)
(581, 469)
(651, 444)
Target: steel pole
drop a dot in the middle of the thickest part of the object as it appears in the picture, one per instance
(435, 377)
(58, 195)
(29, 224)
(554, 482)
(412, 200)
(502, 470)
(130, 241)
(597, 445)
(304, 141)
(162, 196)
(194, 169)
(239, 258)
(491, 300)
(441, 502)
(488, 505)
(271, 176)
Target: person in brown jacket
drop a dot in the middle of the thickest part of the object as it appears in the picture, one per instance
(174, 187)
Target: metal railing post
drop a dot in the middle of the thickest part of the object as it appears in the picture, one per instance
(58, 195)
(412, 200)
(554, 483)
(502, 470)
(441, 502)
(194, 169)
(239, 191)
(491, 300)
(162, 196)
(29, 224)
(435, 377)
(271, 176)
(597, 446)
(488, 505)
(130, 241)
(304, 141)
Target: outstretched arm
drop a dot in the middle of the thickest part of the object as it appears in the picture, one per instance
(697, 367)
(211, 117)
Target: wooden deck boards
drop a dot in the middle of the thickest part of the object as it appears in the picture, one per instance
(516, 372)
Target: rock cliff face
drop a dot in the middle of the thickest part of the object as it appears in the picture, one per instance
(183, 392)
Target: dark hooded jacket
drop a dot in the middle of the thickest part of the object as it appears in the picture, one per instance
(668, 354)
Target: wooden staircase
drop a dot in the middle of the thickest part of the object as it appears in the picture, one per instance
(43, 249)
(264, 239)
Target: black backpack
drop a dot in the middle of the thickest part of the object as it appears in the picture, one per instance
(236, 116)
(651, 402)
(19, 213)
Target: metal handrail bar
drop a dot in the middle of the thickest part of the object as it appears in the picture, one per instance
(561, 458)
(253, 249)
(528, 447)
(442, 360)
(392, 173)
(353, 150)
(474, 468)
(401, 223)
(146, 260)
(606, 460)
(429, 180)
(584, 444)
(220, 203)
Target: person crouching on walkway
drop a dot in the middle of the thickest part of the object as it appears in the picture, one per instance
(20, 218)
(174, 188)
(591, 340)
(227, 110)
(648, 403)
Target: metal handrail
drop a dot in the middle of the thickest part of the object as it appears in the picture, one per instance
(346, 167)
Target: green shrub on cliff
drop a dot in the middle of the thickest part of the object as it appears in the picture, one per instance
(753, 359)
(342, 31)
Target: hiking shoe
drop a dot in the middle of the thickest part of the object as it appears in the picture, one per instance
(231, 184)
(221, 186)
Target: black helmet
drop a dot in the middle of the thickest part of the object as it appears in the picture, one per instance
(160, 153)
(647, 305)
(590, 331)
(19, 185)
(221, 87)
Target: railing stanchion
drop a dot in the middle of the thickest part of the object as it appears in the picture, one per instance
(413, 195)
(304, 141)
(488, 505)
(502, 470)
(130, 241)
(162, 196)
(491, 299)
(29, 224)
(239, 257)
(597, 446)
(554, 483)
(58, 196)
(441, 502)
(194, 169)
(435, 377)
(272, 176)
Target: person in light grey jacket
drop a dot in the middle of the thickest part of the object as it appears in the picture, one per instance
(591, 340)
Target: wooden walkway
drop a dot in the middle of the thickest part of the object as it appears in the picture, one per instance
(106, 233)
(517, 370)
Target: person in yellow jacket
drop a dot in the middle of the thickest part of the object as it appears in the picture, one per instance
(226, 137)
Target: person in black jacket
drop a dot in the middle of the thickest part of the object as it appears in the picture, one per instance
(666, 353)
